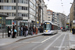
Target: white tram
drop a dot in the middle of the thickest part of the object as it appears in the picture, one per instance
(50, 28)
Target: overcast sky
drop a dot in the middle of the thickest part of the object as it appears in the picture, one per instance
(62, 6)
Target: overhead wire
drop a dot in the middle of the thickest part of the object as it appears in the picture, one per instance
(62, 6)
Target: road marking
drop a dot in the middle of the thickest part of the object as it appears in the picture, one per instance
(62, 42)
(42, 42)
(48, 38)
(52, 42)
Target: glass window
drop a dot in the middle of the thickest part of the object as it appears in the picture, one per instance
(9, 7)
(20, 8)
(4, 7)
(47, 26)
(5, 1)
(0, 7)
(14, 7)
(0, 0)
(8, 22)
(13, 14)
(10, 1)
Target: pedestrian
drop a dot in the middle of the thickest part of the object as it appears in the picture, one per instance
(36, 30)
(26, 30)
(31, 30)
(15, 31)
(41, 29)
(73, 30)
(21, 30)
(9, 31)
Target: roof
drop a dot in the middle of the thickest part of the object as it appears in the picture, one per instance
(50, 10)
(51, 23)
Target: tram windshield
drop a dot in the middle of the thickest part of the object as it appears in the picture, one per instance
(47, 26)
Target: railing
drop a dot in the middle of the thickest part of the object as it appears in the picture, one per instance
(3, 33)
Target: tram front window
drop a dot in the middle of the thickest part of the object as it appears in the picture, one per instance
(47, 26)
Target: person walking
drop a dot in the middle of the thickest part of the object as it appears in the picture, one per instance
(9, 31)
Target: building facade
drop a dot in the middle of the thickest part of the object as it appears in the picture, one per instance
(61, 20)
(8, 7)
(72, 15)
(49, 15)
(45, 13)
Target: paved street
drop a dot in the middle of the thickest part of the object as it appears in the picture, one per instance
(58, 41)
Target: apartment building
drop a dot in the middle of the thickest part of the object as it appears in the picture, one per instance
(49, 15)
(8, 7)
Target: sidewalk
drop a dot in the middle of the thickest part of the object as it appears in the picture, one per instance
(71, 40)
(6, 41)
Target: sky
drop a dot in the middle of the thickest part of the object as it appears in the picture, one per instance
(61, 6)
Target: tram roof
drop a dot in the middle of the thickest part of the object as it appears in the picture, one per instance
(51, 23)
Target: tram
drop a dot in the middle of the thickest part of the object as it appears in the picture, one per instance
(50, 28)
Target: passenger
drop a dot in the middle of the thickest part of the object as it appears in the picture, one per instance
(26, 30)
(73, 30)
(41, 29)
(9, 31)
(15, 31)
(36, 30)
(21, 30)
(31, 30)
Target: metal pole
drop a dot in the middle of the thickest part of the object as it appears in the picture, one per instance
(35, 14)
(17, 15)
(28, 13)
(42, 12)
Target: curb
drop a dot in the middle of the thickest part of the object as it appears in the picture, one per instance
(28, 37)
(22, 39)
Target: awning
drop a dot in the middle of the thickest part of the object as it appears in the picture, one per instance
(1, 15)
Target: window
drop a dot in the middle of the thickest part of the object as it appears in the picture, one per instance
(5, 1)
(4, 7)
(0, 7)
(48, 17)
(14, 1)
(13, 14)
(23, 1)
(23, 14)
(8, 22)
(10, 1)
(14, 7)
(23, 8)
(9, 8)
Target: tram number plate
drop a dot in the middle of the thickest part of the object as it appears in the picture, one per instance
(46, 30)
